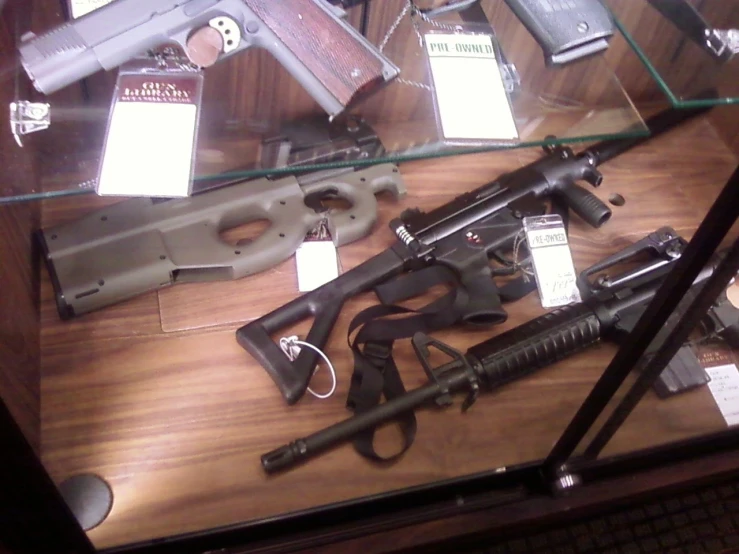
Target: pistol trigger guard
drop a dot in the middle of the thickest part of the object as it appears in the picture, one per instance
(359, 188)
(313, 200)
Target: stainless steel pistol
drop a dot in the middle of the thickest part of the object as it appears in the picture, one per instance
(310, 38)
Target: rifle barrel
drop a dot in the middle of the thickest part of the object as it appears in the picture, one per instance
(302, 449)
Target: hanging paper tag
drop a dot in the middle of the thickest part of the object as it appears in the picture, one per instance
(552, 260)
(724, 386)
(719, 362)
(78, 8)
(471, 99)
(150, 144)
(316, 259)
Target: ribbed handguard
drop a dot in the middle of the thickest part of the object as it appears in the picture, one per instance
(537, 344)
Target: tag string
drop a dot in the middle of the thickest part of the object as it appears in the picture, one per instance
(410, 8)
(291, 347)
(519, 241)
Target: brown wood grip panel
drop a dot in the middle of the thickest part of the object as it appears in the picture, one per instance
(328, 50)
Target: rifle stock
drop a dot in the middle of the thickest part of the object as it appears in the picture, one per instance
(324, 304)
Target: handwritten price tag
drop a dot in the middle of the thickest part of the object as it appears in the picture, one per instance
(552, 260)
(724, 386)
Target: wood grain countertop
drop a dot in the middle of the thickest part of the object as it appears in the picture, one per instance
(156, 396)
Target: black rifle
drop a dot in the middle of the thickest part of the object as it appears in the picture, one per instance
(610, 309)
(460, 235)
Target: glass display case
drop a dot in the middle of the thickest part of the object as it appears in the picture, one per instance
(144, 419)
(684, 377)
(695, 61)
(579, 101)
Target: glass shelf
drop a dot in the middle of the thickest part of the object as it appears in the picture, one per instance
(250, 98)
(687, 70)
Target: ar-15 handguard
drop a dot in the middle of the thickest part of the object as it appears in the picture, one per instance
(310, 38)
(142, 244)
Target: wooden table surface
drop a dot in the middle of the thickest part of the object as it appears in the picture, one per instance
(156, 396)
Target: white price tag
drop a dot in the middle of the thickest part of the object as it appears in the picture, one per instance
(316, 259)
(552, 260)
(724, 386)
(78, 8)
(150, 145)
(471, 99)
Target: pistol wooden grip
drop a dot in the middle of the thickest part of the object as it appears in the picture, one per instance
(342, 64)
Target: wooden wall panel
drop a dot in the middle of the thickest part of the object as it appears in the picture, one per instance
(250, 94)
(19, 312)
(253, 91)
(19, 327)
(683, 65)
(726, 121)
(260, 93)
(19, 324)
